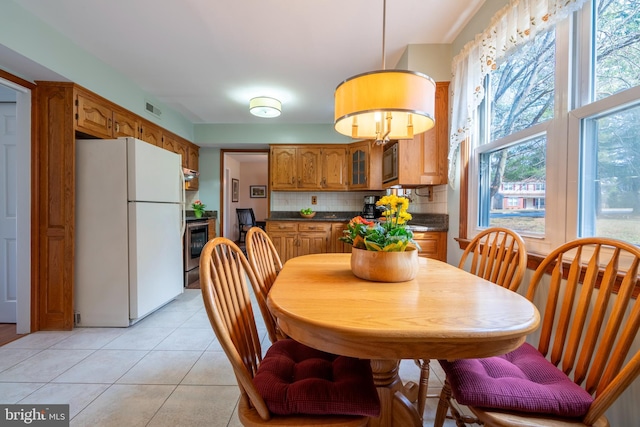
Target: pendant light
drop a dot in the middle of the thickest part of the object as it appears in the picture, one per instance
(385, 104)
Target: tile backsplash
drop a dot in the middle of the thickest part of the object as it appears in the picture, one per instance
(353, 201)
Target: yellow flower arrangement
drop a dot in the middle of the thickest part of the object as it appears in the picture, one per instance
(390, 235)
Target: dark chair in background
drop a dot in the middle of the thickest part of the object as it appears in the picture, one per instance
(246, 220)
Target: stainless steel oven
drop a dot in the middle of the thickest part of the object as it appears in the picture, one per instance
(195, 237)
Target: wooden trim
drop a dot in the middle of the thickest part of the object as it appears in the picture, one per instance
(464, 189)
(17, 80)
(534, 260)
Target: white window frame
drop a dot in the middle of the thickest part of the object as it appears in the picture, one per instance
(555, 129)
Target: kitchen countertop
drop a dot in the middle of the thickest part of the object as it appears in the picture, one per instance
(190, 216)
(420, 221)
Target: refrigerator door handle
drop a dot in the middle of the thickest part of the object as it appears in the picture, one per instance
(183, 202)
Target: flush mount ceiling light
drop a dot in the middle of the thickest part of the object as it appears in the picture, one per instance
(385, 104)
(264, 106)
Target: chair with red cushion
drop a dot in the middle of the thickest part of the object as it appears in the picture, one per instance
(292, 384)
(584, 290)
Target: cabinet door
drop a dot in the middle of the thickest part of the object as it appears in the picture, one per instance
(312, 243)
(309, 169)
(283, 168)
(150, 133)
(338, 246)
(285, 244)
(432, 244)
(313, 238)
(334, 168)
(125, 125)
(93, 117)
(193, 160)
(434, 142)
(358, 159)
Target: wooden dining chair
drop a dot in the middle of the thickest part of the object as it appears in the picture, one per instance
(580, 365)
(496, 254)
(292, 384)
(265, 263)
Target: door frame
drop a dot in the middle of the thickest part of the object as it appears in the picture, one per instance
(225, 184)
(24, 221)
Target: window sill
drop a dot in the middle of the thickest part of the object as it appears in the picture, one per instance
(534, 260)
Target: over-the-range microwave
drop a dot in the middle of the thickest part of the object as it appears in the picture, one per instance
(390, 162)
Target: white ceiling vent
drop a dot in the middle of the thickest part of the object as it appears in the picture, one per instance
(152, 109)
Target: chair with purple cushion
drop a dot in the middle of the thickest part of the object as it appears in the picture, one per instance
(496, 254)
(585, 289)
(292, 384)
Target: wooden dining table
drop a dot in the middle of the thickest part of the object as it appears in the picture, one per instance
(443, 313)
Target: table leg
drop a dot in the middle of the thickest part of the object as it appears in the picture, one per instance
(396, 409)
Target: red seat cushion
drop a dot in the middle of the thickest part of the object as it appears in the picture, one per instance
(522, 380)
(296, 379)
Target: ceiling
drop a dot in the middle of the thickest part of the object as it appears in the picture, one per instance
(207, 58)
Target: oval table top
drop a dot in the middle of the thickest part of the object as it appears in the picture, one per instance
(444, 313)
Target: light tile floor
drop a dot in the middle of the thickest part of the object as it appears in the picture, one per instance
(166, 370)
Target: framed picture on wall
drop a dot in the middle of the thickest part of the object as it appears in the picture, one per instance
(235, 189)
(257, 191)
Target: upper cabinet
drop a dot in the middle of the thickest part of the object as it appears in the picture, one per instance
(150, 133)
(365, 166)
(423, 159)
(188, 152)
(193, 156)
(308, 167)
(98, 118)
(327, 167)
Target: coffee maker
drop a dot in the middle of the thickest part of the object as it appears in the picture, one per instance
(370, 210)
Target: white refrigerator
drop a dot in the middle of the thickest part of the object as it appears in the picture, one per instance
(129, 225)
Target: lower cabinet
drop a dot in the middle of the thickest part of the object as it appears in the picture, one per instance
(295, 238)
(433, 244)
(337, 231)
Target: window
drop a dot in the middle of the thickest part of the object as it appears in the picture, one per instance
(608, 123)
(519, 101)
(558, 146)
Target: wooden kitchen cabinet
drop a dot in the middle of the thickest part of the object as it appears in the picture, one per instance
(175, 145)
(433, 244)
(211, 228)
(309, 167)
(283, 234)
(338, 246)
(334, 168)
(62, 119)
(150, 133)
(193, 162)
(423, 159)
(295, 238)
(99, 118)
(365, 166)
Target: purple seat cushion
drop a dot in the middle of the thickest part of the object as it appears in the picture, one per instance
(296, 379)
(522, 380)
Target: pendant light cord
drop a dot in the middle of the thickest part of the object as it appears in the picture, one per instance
(384, 24)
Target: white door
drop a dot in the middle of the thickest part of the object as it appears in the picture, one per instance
(8, 210)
